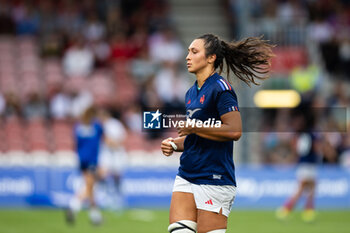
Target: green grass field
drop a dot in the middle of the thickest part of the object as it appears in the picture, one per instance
(156, 221)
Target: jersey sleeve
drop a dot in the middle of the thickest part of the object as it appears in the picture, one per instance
(100, 129)
(227, 102)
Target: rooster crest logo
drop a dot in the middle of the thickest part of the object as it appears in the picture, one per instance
(202, 99)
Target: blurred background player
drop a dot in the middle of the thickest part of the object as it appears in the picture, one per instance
(307, 147)
(88, 135)
(112, 158)
(205, 186)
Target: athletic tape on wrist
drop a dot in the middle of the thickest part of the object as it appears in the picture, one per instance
(173, 145)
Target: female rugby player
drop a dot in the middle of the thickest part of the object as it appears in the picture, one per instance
(88, 134)
(205, 185)
(308, 146)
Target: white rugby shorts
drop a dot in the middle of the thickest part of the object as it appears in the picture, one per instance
(208, 197)
(306, 172)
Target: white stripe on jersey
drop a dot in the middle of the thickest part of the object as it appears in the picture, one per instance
(227, 88)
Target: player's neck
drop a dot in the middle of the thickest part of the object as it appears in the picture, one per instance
(203, 75)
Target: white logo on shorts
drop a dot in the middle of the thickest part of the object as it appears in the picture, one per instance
(217, 177)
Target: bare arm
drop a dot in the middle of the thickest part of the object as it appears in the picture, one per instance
(231, 129)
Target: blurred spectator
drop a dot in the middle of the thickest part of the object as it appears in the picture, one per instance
(102, 52)
(12, 105)
(166, 47)
(140, 39)
(121, 47)
(320, 31)
(60, 104)
(291, 12)
(143, 67)
(339, 97)
(149, 95)
(34, 107)
(78, 60)
(133, 119)
(114, 22)
(93, 30)
(159, 15)
(277, 139)
(170, 84)
(27, 19)
(80, 101)
(70, 18)
(306, 79)
(330, 144)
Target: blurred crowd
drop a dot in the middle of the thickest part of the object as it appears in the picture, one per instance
(321, 31)
(57, 58)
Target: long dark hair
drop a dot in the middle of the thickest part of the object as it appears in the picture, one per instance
(248, 59)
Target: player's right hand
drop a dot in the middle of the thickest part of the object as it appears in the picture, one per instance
(166, 147)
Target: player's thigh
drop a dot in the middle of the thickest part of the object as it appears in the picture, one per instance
(89, 178)
(208, 221)
(309, 185)
(182, 207)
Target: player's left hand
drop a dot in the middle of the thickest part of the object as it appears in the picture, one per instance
(166, 147)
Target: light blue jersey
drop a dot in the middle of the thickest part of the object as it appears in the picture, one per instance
(88, 138)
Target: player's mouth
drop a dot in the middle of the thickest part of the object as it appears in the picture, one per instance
(188, 65)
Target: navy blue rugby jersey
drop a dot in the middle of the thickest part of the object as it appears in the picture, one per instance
(306, 148)
(207, 161)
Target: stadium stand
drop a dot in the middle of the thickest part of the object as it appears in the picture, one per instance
(42, 91)
(312, 46)
(42, 86)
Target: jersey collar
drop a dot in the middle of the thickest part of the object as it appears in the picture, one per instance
(206, 82)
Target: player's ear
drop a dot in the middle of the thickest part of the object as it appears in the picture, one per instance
(211, 58)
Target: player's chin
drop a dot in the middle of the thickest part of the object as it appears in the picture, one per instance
(191, 70)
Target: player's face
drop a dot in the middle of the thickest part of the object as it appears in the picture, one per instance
(196, 59)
